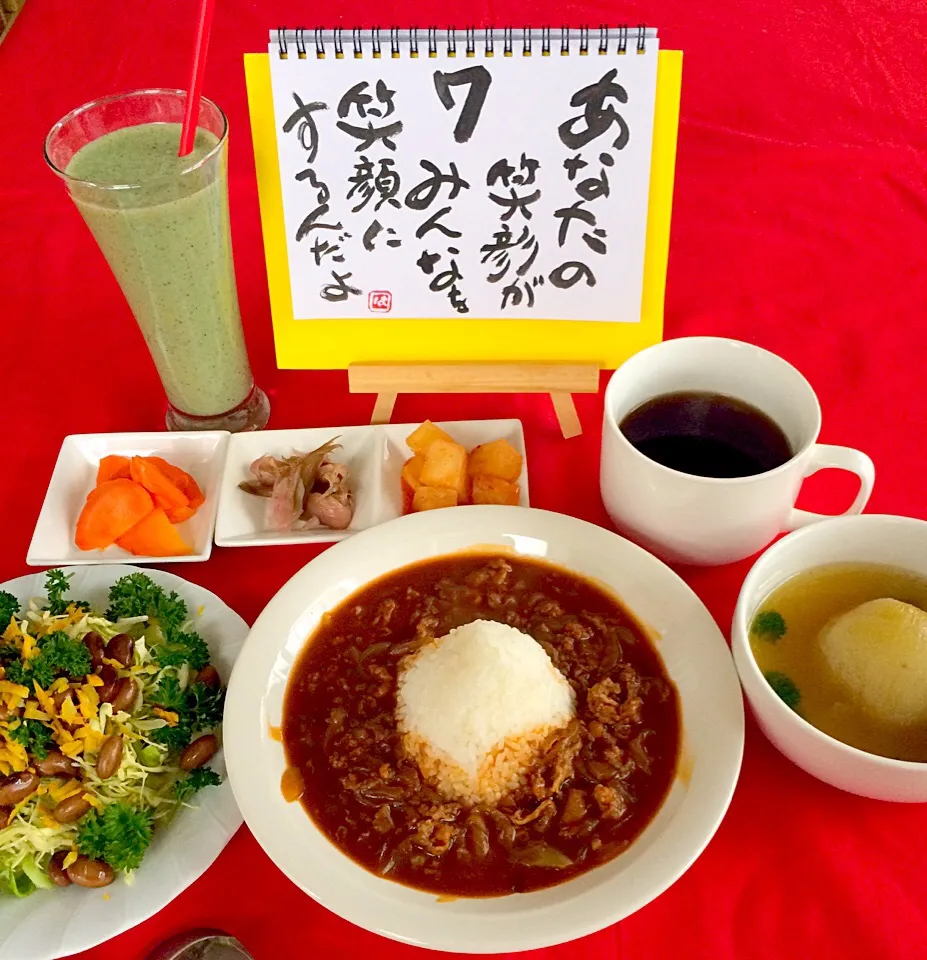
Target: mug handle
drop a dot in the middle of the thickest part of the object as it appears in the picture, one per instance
(826, 456)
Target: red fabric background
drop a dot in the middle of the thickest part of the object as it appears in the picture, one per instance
(800, 224)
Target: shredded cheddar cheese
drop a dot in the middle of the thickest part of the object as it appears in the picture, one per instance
(93, 739)
(68, 713)
(29, 650)
(168, 715)
(88, 700)
(8, 688)
(62, 791)
(46, 702)
(32, 712)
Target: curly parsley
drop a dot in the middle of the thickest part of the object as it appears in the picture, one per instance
(174, 738)
(59, 656)
(207, 704)
(8, 652)
(198, 709)
(137, 595)
(784, 688)
(768, 625)
(34, 736)
(119, 835)
(194, 781)
(57, 587)
(9, 607)
(180, 647)
(168, 695)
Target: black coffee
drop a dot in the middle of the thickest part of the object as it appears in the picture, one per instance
(706, 434)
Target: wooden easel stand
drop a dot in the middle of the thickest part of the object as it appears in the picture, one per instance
(560, 380)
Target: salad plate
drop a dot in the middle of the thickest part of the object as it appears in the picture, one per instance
(58, 922)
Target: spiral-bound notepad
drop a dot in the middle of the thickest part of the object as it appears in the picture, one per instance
(463, 175)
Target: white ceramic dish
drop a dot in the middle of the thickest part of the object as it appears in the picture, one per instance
(58, 923)
(374, 455)
(695, 655)
(896, 541)
(200, 454)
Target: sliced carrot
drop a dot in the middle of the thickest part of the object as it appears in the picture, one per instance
(112, 508)
(156, 482)
(182, 480)
(113, 467)
(154, 536)
(174, 514)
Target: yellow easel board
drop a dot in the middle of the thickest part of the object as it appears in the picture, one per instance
(322, 343)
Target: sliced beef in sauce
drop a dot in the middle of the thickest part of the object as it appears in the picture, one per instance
(599, 780)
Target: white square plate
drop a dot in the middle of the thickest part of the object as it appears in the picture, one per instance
(201, 454)
(373, 454)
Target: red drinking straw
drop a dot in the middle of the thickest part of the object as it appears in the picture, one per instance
(200, 46)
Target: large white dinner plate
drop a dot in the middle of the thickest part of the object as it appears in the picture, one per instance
(692, 648)
(59, 922)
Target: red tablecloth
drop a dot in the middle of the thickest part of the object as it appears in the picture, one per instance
(800, 224)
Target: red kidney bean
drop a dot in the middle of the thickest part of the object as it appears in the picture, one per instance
(56, 871)
(208, 675)
(109, 757)
(5, 815)
(110, 678)
(17, 786)
(71, 809)
(90, 873)
(125, 693)
(56, 764)
(122, 649)
(94, 643)
(199, 752)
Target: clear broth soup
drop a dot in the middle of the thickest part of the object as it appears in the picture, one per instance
(796, 668)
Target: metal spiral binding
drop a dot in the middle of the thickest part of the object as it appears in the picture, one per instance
(622, 40)
(367, 43)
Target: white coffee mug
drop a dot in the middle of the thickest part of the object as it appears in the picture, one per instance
(703, 520)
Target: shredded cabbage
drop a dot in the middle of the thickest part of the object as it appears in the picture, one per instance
(147, 774)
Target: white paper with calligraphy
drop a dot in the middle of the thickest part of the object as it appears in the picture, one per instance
(436, 187)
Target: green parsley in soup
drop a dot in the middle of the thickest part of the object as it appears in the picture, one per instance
(845, 646)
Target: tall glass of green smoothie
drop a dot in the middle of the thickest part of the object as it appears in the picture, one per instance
(162, 222)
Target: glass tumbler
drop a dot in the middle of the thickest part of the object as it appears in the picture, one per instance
(162, 222)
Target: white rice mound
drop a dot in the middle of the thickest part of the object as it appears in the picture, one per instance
(878, 653)
(475, 707)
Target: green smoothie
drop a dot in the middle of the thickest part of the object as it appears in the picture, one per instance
(167, 240)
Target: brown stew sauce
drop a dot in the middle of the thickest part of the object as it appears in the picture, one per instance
(598, 784)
